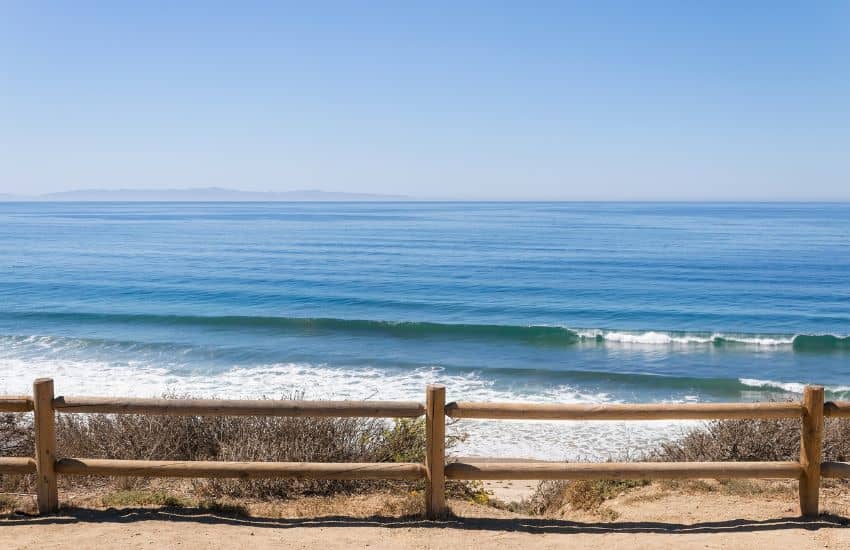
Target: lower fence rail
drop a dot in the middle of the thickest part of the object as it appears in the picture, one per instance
(840, 470)
(811, 410)
(241, 470)
(17, 465)
(15, 403)
(623, 470)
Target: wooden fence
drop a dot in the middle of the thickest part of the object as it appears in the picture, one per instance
(47, 465)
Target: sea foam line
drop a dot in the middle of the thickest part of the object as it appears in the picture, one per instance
(790, 387)
(540, 439)
(668, 338)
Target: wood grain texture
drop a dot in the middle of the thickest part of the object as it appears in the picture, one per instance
(835, 469)
(45, 446)
(623, 411)
(240, 470)
(836, 409)
(623, 470)
(435, 453)
(17, 465)
(15, 403)
(811, 442)
(228, 407)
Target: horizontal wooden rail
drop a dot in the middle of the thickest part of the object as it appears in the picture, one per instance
(624, 411)
(623, 470)
(227, 407)
(835, 469)
(15, 403)
(241, 470)
(17, 465)
(837, 409)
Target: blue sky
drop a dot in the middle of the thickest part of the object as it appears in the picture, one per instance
(564, 100)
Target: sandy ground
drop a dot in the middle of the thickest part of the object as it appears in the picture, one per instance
(651, 517)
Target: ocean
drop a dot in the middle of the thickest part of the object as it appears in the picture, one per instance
(546, 302)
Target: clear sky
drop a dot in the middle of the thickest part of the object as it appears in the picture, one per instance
(567, 100)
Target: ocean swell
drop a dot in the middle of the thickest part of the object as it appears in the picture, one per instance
(539, 335)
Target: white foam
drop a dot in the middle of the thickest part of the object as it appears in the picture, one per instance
(790, 387)
(542, 440)
(653, 338)
(770, 341)
(656, 338)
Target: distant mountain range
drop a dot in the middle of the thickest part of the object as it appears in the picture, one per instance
(201, 194)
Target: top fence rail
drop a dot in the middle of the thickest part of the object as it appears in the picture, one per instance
(624, 411)
(229, 407)
(836, 409)
(15, 403)
(413, 409)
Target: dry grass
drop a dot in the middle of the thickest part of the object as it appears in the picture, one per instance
(589, 495)
(731, 487)
(145, 498)
(8, 503)
(138, 497)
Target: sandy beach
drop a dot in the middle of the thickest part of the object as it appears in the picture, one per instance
(649, 517)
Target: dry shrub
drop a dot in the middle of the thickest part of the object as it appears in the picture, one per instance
(17, 435)
(16, 439)
(266, 439)
(754, 440)
(296, 440)
(548, 498)
(136, 437)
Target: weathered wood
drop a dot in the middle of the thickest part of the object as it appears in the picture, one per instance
(15, 403)
(228, 407)
(623, 411)
(835, 469)
(17, 465)
(837, 409)
(242, 470)
(45, 446)
(623, 470)
(435, 452)
(811, 440)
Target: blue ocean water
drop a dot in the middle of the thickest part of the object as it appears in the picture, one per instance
(520, 301)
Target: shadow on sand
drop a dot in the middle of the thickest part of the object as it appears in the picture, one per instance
(528, 525)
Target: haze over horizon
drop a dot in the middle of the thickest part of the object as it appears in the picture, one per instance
(585, 101)
(201, 194)
(223, 194)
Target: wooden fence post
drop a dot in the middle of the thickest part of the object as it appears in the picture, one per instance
(811, 441)
(435, 452)
(45, 446)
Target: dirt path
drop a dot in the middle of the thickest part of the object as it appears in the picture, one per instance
(648, 519)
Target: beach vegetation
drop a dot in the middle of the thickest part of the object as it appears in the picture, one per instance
(262, 439)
